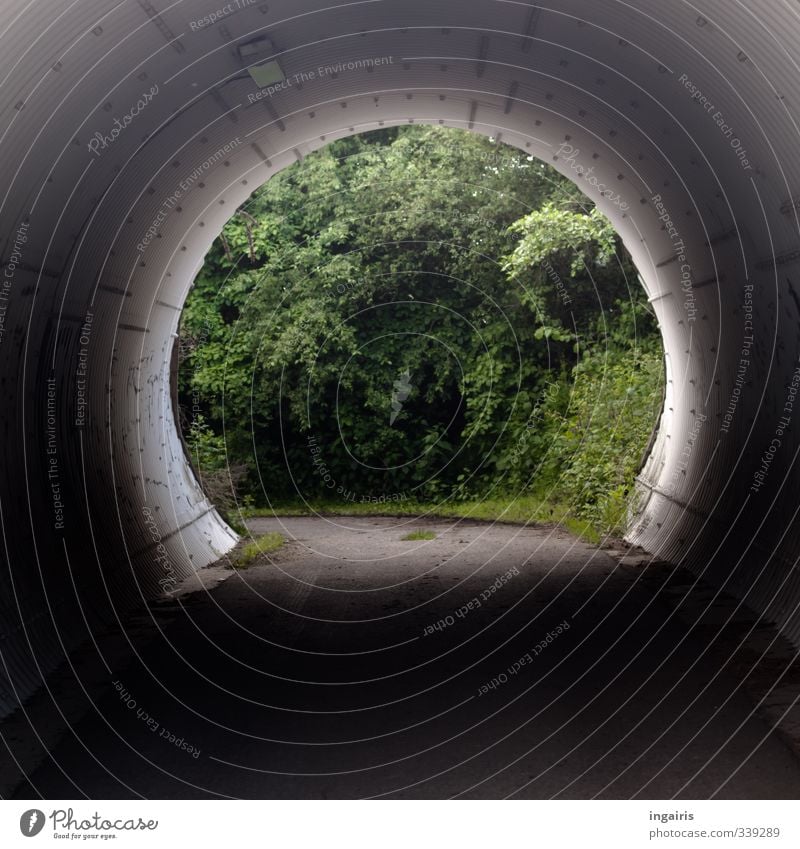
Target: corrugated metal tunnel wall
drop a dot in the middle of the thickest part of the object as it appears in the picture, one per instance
(132, 130)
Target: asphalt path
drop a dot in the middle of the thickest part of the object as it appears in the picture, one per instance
(491, 661)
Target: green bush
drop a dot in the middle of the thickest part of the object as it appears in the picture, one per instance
(424, 313)
(597, 448)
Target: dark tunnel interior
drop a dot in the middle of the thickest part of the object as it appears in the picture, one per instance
(682, 126)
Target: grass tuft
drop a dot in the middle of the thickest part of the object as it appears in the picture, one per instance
(264, 544)
(414, 535)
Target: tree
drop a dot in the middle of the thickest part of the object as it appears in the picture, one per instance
(461, 271)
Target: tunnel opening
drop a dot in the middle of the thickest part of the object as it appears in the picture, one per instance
(555, 351)
(689, 116)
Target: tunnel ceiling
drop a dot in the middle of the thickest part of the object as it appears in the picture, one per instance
(132, 131)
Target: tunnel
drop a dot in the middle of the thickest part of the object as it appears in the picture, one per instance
(133, 130)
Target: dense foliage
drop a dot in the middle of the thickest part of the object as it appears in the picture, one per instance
(420, 314)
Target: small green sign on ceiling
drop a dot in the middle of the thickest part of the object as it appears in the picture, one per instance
(267, 74)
